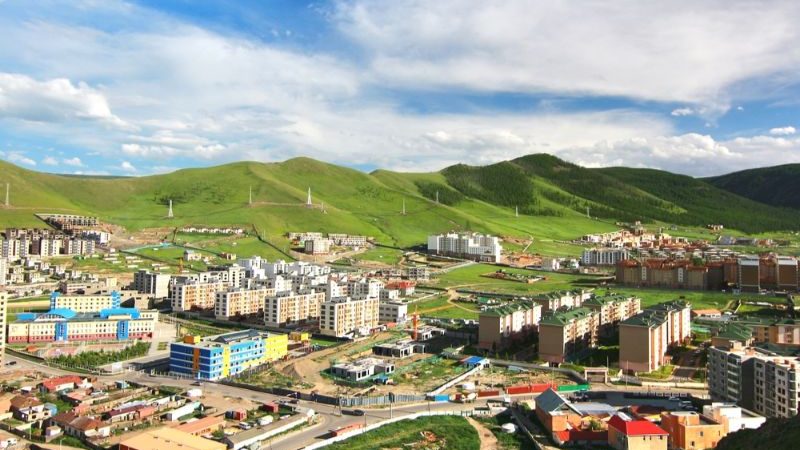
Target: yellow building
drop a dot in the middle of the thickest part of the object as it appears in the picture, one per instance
(345, 316)
(292, 309)
(195, 294)
(241, 302)
(85, 303)
(227, 354)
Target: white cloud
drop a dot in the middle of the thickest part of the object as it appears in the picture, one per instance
(685, 52)
(50, 161)
(126, 166)
(682, 112)
(782, 131)
(18, 158)
(75, 162)
(54, 100)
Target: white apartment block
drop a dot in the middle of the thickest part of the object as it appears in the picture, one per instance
(186, 295)
(392, 311)
(3, 306)
(347, 240)
(154, 284)
(317, 247)
(241, 302)
(286, 308)
(604, 256)
(3, 271)
(347, 317)
(475, 246)
(420, 273)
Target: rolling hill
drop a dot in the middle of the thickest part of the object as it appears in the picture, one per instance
(551, 195)
(777, 186)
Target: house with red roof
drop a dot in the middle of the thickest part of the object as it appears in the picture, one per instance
(63, 383)
(628, 433)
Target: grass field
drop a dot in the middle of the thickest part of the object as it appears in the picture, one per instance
(452, 432)
(470, 277)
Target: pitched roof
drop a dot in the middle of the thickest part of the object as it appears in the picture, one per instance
(52, 383)
(635, 427)
(563, 317)
(550, 401)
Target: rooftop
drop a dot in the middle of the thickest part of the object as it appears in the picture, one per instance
(563, 317)
(170, 438)
(635, 427)
(510, 308)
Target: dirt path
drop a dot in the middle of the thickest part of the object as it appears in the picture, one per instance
(488, 439)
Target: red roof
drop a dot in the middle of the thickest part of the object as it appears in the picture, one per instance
(52, 383)
(636, 427)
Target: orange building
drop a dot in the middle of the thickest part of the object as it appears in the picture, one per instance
(689, 430)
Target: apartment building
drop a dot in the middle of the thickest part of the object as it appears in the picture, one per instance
(3, 319)
(566, 334)
(239, 302)
(85, 303)
(348, 240)
(474, 246)
(3, 271)
(604, 256)
(65, 325)
(346, 316)
(613, 309)
(777, 384)
(689, 430)
(191, 294)
(317, 246)
(286, 308)
(418, 273)
(392, 311)
(154, 284)
(645, 338)
(553, 301)
(499, 327)
(225, 355)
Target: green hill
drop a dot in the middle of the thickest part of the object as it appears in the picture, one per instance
(552, 196)
(777, 186)
(774, 434)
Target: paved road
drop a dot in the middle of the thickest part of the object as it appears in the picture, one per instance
(330, 417)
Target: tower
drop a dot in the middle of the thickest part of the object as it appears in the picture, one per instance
(587, 213)
(404, 207)
(250, 201)
(8, 193)
(437, 197)
(169, 213)
(516, 211)
(308, 201)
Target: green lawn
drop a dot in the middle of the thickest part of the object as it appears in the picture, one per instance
(453, 432)
(662, 373)
(506, 441)
(470, 277)
(380, 254)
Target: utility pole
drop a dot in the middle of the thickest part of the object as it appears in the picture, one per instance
(170, 215)
(404, 207)
(437, 197)
(308, 200)
(8, 190)
(250, 201)
(516, 211)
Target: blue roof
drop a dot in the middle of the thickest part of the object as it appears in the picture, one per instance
(474, 360)
(133, 312)
(63, 312)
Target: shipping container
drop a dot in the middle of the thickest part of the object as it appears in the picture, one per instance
(441, 398)
(538, 388)
(492, 393)
(573, 387)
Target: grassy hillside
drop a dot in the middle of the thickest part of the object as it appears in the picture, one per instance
(777, 186)
(551, 195)
(774, 434)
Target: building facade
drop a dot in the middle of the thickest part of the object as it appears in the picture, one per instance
(85, 303)
(604, 256)
(567, 334)
(499, 327)
(613, 309)
(645, 338)
(239, 302)
(225, 355)
(287, 308)
(190, 294)
(155, 284)
(345, 316)
(474, 246)
(64, 325)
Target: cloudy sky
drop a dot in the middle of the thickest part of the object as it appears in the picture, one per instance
(142, 87)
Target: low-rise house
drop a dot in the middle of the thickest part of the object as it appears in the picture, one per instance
(203, 426)
(627, 433)
(63, 383)
(169, 438)
(362, 369)
(81, 427)
(28, 408)
(733, 417)
(691, 431)
(135, 412)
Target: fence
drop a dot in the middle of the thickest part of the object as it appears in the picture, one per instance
(380, 400)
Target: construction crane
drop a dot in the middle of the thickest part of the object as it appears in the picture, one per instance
(415, 321)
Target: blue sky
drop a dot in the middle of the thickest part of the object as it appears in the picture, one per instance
(136, 88)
